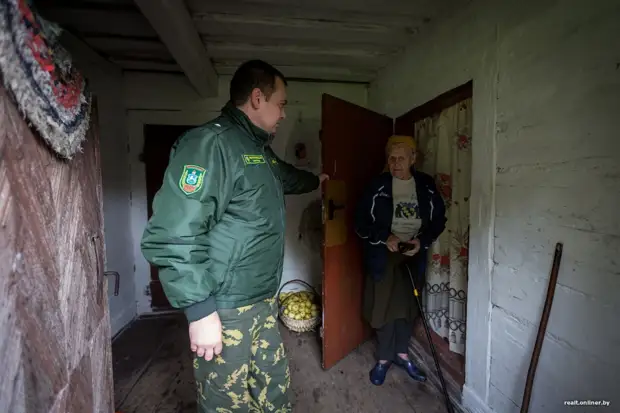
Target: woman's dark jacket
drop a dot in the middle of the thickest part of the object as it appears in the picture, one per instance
(373, 222)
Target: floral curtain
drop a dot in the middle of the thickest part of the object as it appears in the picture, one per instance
(444, 143)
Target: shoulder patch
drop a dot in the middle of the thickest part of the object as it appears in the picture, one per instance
(253, 159)
(192, 179)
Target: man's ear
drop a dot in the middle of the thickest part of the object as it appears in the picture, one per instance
(255, 98)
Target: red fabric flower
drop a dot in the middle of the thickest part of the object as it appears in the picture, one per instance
(445, 186)
(445, 260)
(463, 141)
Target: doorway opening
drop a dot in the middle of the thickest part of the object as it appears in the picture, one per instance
(353, 141)
(442, 127)
(158, 140)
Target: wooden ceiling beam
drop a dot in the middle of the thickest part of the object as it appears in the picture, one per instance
(306, 30)
(297, 56)
(382, 12)
(316, 73)
(79, 47)
(111, 22)
(175, 27)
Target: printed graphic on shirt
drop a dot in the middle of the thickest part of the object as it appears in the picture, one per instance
(407, 210)
(406, 221)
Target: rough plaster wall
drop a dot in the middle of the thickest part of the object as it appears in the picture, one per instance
(168, 99)
(546, 169)
(106, 83)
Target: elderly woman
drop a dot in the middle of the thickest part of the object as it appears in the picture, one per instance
(400, 208)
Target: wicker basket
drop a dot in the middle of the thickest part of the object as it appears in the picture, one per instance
(299, 326)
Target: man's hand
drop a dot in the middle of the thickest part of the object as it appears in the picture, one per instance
(323, 177)
(392, 243)
(415, 250)
(205, 336)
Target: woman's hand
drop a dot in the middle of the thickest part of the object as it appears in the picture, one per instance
(392, 243)
(415, 249)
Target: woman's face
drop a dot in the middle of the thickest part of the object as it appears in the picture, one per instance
(400, 160)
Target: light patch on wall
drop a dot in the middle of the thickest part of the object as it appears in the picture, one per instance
(302, 259)
(303, 148)
(311, 226)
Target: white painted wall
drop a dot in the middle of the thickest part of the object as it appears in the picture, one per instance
(546, 169)
(105, 81)
(169, 99)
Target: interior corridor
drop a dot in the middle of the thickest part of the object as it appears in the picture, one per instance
(153, 374)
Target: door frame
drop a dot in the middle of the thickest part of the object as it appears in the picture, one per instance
(136, 119)
(168, 134)
(404, 124)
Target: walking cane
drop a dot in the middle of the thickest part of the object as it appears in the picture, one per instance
(430, 342)
(542, 328)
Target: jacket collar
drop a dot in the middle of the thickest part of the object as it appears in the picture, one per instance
(239, 118)
(424, 200)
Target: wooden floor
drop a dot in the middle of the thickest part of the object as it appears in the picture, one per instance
(153, 374)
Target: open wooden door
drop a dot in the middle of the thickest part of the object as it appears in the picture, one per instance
(353, 141)
(54, 320)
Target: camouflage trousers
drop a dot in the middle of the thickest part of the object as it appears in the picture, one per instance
(252, 373)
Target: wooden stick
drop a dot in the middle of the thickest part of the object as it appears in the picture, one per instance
(542, 328)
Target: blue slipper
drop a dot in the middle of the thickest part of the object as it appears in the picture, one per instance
(378, 373)
(410, 368)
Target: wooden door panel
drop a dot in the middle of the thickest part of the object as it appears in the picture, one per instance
(353, 141)
(54, 331)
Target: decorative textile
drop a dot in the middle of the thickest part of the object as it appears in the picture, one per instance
(445, 147)
(48, 89)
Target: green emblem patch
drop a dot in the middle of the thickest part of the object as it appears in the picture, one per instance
(253, 159)
(192, 179)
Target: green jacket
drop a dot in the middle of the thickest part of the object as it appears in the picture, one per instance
(217, 229)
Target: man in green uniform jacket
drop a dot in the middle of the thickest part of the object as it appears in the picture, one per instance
(217, 237)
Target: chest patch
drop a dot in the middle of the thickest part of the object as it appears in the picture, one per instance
(253, 159)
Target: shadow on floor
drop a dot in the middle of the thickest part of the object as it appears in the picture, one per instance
(153, 374)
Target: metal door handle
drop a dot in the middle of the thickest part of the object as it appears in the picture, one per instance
(117, 280)
(94, 238)
(331, 209)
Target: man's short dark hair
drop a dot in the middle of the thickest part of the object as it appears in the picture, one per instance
(251, 75)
